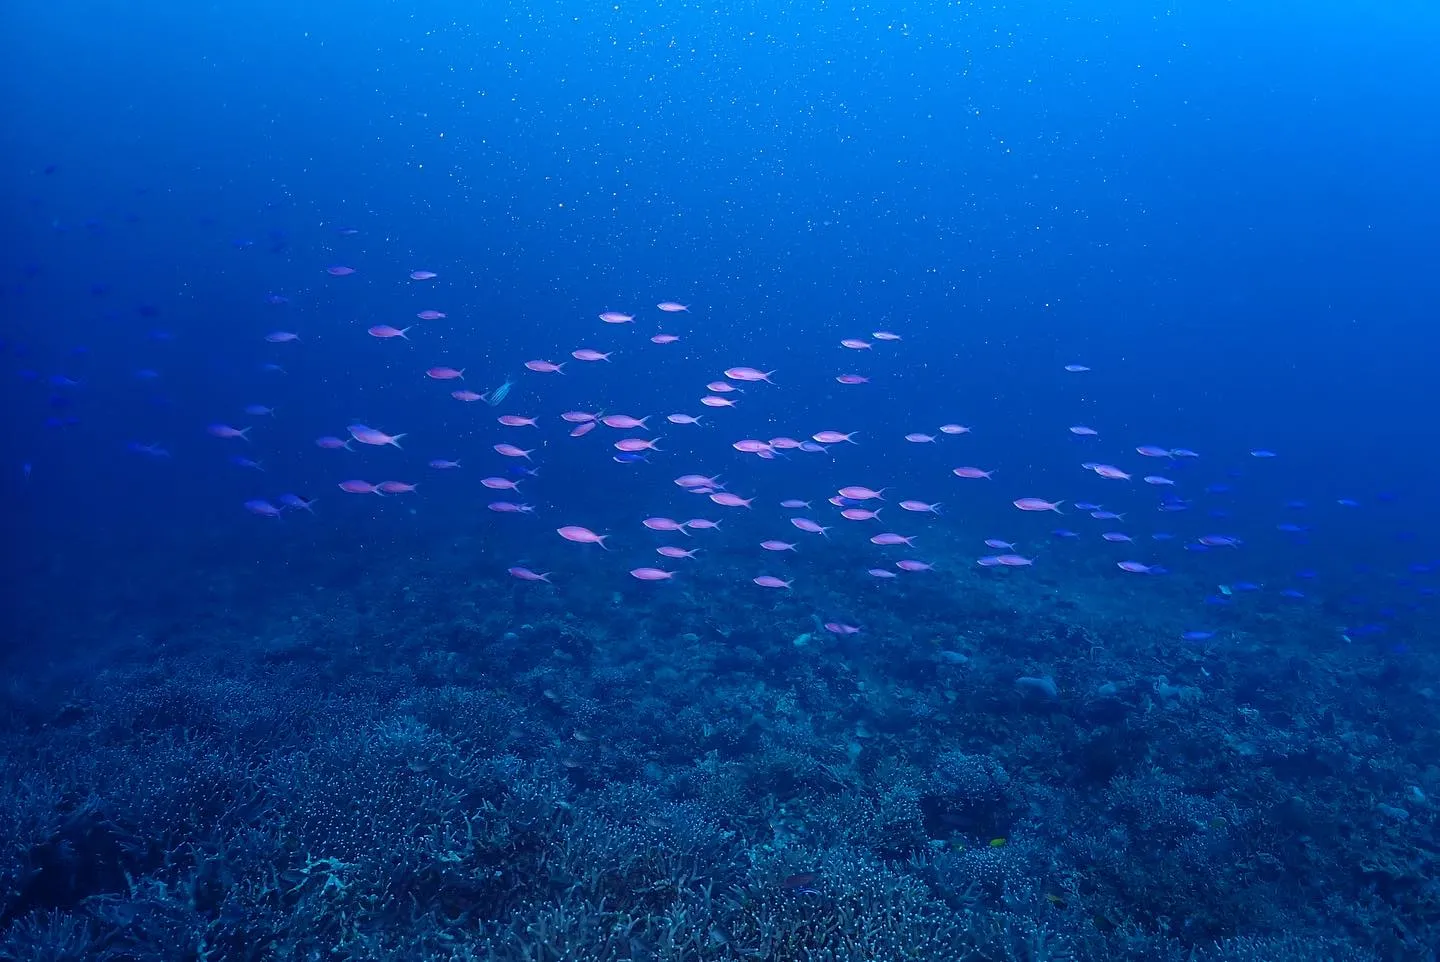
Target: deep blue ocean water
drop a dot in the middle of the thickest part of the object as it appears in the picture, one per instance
(1225, 213)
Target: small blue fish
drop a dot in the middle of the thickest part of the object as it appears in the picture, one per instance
(297, 502)
(499, 394)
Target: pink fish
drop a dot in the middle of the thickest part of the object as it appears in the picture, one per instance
(510, 507)
(751, 446)
(954, 429)
(445, 373)
(885, 336)
(1081, 430)
(637, 444)
(466, 395)
(226, 431)
(423, 275)
(581, 535)
(371, 436)
(1013, 561)
(852, 379)
(670, 551)
(697, 481)
(359, 487)
(794, 503)
(1037, 504)
(664, 339)
(860, 514)
(834, 437)
(1135, 567)
(858, 492)
(395, 487)
(918, 438)
(839, 628)
(881, 573)
(997, 543)
(624, 421)
(805, 524)
(330, 444)
(581, 430)
(891, 538)
(785, 444)
(525, 574)
(909, 564)
(777, 546)
(770, 581)
(431, 315)
(651, 574)
(386, 331)
(969, 472)
(720, 387)
(577, 417)
(671, 307)
(714, 401)
(615, 317)
(664, 524)
(1111, 472)
(516, 421)
(339, 271)
(511, 451)
(700, 524)
(587, 354)
(682, 419)
(920, 506)
(727, 500)
(500, 484)
(855, 344)
(748, 374)
(1157, 479)
(545, 367)
(281, 337)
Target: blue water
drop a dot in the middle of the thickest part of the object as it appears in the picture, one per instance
(1225, 212)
